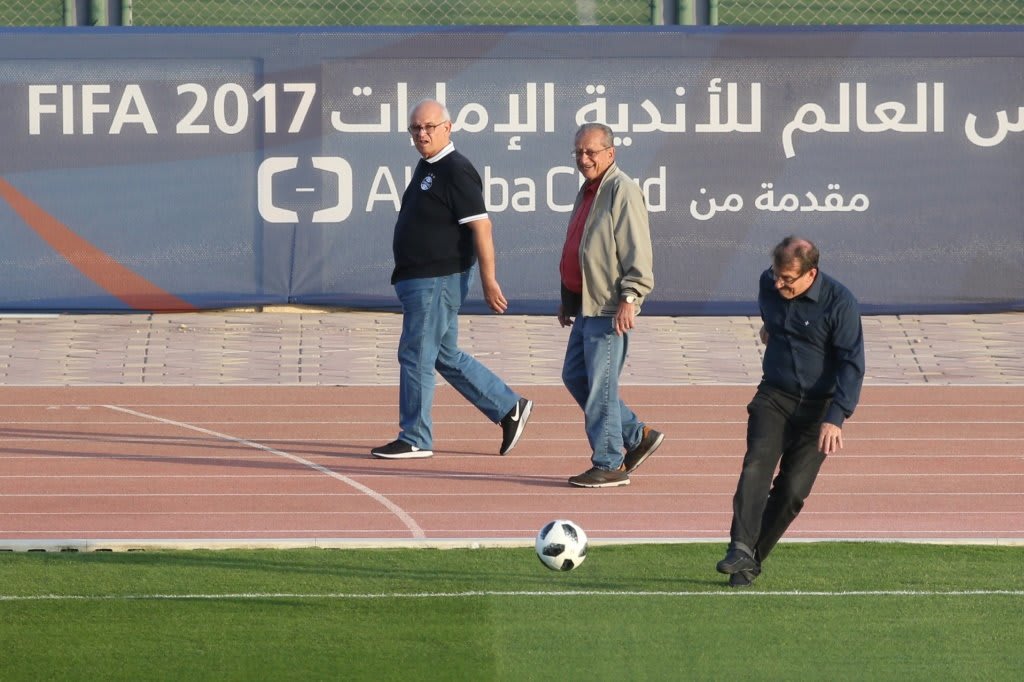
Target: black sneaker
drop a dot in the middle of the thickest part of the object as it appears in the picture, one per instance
(513, 424)
(744, 578)
(736, 560)
(399, 449)
(600, 478)
(648, 444)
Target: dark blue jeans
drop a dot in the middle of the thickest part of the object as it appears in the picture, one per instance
(782, 431)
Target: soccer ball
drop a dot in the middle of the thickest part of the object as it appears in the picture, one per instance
(561, 545)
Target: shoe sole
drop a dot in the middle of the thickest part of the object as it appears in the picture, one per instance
(419, 454)
(610, 484)
(657, 444)
(523, 418)
(742, 579)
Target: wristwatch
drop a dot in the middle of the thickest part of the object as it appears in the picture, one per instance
(629, 298)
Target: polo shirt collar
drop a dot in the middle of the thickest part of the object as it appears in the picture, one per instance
(445, 151)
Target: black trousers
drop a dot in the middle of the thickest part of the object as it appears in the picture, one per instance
(782, 431)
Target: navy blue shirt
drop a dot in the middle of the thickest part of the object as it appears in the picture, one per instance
(431, 237)
(815, 343)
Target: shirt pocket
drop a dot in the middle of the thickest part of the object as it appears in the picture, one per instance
(810, 325)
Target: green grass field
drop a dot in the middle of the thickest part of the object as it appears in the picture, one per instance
(642, 612)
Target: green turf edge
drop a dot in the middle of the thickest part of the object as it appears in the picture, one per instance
(652, 611)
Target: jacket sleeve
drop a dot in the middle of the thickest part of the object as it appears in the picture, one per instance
(633, 239)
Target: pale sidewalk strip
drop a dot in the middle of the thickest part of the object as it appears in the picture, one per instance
(297, 346)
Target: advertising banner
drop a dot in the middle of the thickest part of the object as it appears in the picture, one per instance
(176, 169)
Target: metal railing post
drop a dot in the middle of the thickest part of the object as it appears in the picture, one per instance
(695, 12)
(98, 13)
(666, 12)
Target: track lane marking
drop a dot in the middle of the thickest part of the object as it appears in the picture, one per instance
(402, 515)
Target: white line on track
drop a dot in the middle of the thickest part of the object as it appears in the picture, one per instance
(492, 494)
(463, 405)
(499, 512)
(511, 593)
(405, 518)
(462, 536)
(475, 422)
(484, 476)
(734, 456)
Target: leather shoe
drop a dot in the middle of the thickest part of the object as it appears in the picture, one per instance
(650, 442)
(744, 578)
(600, 478)
(736, 560)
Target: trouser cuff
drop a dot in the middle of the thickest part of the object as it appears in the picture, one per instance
(741, 546)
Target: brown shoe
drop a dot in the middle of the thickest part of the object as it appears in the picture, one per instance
(648, 444)
(600, 478)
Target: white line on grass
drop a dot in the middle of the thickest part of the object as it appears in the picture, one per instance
(405, 518)
(512, 593)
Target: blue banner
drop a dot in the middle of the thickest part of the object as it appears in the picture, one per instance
(176, 169)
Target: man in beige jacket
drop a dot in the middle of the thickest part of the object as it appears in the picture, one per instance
(606, 271)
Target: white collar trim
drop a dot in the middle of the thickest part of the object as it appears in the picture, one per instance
(448, 149)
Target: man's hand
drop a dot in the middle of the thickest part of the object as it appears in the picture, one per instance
(484, 245)
(564, 318)
(830, 439)
(493, 297)
(625, 318)
(763, 335)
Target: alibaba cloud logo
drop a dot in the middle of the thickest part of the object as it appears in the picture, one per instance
(337, 168)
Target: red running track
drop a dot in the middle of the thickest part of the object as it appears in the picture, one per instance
(118, 467)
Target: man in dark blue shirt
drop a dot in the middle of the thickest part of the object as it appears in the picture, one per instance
(812, 376)
(442, 234)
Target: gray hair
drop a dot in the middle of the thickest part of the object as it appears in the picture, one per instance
(606, 132)
(428, 100)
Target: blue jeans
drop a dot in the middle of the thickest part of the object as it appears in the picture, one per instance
(430, 335)
(593, 362)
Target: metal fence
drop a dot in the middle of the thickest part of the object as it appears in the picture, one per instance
(32, 13)
(924, 12)
(394, 12)
(504, 12)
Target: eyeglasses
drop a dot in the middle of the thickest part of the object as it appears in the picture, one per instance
(427, 128)
(589, 153)
(787, 280)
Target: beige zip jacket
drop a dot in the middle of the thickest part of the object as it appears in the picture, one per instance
(616, 256)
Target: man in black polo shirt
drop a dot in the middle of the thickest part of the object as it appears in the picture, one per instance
(812, 375)
(442, 231)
